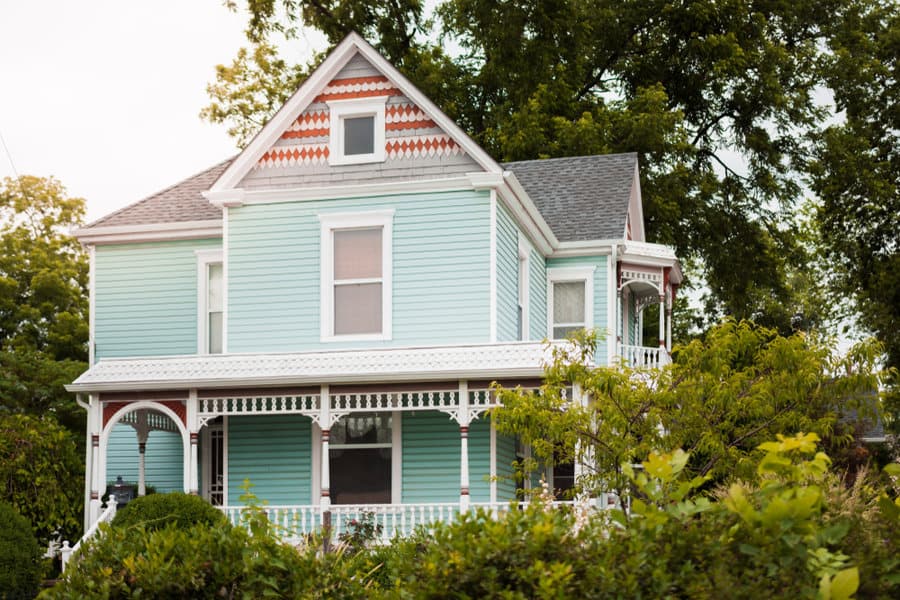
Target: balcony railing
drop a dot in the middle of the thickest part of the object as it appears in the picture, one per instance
(644, 357)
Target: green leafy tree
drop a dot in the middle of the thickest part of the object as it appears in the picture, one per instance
(719, 99)
(41, 474)
(43, 299)
(722, 397)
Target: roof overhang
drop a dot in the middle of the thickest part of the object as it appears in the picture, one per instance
(433, 363)
(162, 232)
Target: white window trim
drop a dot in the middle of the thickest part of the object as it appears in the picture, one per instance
(204, 259)
(396, 445)
(524, 286)
(566, 275)
(329, 223)
(356, 107)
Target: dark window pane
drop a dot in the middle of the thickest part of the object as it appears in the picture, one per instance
(359, 135)
(563, 480)
(360, 476)
(362, 428)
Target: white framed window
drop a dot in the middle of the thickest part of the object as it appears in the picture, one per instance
(356, 273)
(356, 133)
(210, 302)
(522, 308)
(570, 292)
(364, 459)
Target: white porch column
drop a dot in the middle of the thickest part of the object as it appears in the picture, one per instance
(620, 324)
(325, 424)
(669, 323)
(578, 399)
(464, 446)
(95, 422)
(193, 423)
(662, 321)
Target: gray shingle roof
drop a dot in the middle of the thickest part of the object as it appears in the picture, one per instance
(581, 197)
(177, 203)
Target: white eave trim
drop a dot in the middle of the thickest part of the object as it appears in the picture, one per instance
(240, 197)
(435, 363)
(182, 230)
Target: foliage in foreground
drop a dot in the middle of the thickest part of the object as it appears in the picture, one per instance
(794, 530)
(721, 397)
(157, 511)
(41, 474)
(20, 555)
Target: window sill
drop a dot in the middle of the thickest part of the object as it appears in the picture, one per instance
(362, 337)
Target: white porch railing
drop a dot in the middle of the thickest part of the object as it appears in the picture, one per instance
(644, 357)
(106, 516)
(293, 523)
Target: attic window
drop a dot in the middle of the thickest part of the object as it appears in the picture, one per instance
(357, 131)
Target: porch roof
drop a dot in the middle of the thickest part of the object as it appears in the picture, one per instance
(473, 361)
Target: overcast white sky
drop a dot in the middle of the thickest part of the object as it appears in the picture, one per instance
(104, 95)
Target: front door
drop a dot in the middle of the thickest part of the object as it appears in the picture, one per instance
(214, 463)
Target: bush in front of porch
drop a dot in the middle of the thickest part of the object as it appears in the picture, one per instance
(159, 510)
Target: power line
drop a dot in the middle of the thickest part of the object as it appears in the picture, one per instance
(9, 156)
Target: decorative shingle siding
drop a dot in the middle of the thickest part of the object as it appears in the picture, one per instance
(507, 276)
(600, 297)
(275, 453)
(163, 461)
(441, 271)
(416, 148)
(146, 298)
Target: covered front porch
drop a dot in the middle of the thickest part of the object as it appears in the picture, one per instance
(398, 434)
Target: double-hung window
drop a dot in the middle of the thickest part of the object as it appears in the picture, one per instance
(571, 292)
(210, 302)
(361, 459)
(356, 276)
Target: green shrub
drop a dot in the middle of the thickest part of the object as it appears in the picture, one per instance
(20, 555)
(207, 562)
(159, 510)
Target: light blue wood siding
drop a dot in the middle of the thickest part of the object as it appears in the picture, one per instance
(431, 447)
(441, 271)
(600, 287)
(537, 296)
(430, 458)
(275, 453)
(507, 276)
(163, 461)
(506, 456)
(480, 460)
(146, 298)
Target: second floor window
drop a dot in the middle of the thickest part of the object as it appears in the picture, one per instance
(210, 302)
(571, 300)
(358, 281)
(356, 276)
(214, 307)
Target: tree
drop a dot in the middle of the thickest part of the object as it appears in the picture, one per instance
(43, 299)
(720, 398)
(41, 474)
(715, 96)
(856, 170)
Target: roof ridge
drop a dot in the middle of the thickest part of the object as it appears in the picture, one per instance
(109, 216)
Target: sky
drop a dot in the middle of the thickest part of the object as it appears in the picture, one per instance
(105, 95)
